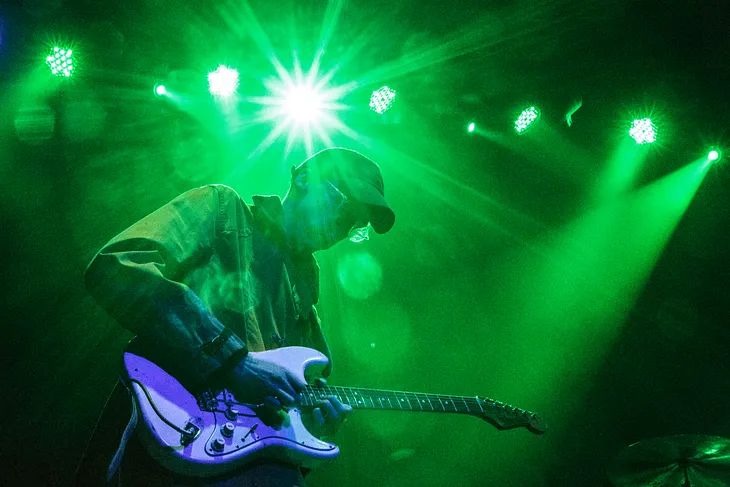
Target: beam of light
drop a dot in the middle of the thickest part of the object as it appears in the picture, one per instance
(621, 171)
(573, 298)
(60, 61)
(303, 105)
(223, 81)
(643, 131)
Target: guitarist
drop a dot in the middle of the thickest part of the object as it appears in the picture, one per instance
(206, 278)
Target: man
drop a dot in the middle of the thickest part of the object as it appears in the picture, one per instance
(206, 278)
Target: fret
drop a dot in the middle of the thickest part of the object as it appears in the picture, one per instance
(449, 402)
(410, 406)
(355, 398)
(466, 405)
(479, 403)
(399, 400)
(442, 404)
(420, 404)
(429, 402)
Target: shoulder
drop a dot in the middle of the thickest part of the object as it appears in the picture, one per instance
(233, 213)
(221, 190)
(219, 193)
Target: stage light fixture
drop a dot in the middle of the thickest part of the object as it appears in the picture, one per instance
(160, 90)
(382, 99)
(714, 155)
(471, 127)
(60, 60)
(223, 81)
(527, 119)
(643, 131)
(303, 103)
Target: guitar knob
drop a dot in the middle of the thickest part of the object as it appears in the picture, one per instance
(227, 429)
(218, 444)
(231, 414)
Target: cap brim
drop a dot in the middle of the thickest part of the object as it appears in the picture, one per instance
(381, 216)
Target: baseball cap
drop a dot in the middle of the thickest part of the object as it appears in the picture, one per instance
(359, 178)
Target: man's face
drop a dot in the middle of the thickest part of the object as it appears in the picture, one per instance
(324, 216)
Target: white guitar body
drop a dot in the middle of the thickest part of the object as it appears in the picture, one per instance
(225, 434)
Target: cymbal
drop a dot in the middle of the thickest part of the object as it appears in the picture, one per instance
(673, 461)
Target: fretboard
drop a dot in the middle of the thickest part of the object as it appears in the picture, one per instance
(360, 398)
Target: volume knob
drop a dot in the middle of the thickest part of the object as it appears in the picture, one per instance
(227, 429)
(231, 414)
(218, 444)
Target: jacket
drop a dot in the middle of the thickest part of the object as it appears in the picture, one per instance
(204, 264)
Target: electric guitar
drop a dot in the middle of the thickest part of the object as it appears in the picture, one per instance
(213, 433)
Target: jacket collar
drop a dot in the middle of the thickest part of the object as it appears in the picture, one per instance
(268, 213)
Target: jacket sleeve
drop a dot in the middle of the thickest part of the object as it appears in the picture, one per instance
(137, 278)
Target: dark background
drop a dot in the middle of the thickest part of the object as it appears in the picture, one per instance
(457, 310)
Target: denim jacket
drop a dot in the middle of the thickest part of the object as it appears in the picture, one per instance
(203, 263)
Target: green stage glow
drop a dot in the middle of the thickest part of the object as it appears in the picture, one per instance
(382, 100)
(471, 127)
(643, 131)
(360, 275)
(60, 61)
(526, 119)
(223, 81)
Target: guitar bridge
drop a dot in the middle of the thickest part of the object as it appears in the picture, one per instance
(207, 401)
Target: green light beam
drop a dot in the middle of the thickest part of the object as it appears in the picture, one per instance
(621, 171)
(572, 300)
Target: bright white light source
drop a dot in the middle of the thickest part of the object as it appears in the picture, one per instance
(303, 103)
(223, 81)
(382, 99)
(643, 131)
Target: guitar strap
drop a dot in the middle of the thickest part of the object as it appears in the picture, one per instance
(128, 431)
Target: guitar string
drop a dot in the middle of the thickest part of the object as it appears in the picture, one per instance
(400, 396)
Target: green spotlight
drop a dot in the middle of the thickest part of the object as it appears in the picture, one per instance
(303, 104)
(643, 131)
(714, 155)
(223, 81)
(527, 119)
(471, 127)
(382, 99)
(60, 61)
(160, 90)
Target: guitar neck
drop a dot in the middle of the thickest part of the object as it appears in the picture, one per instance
(359, 398)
